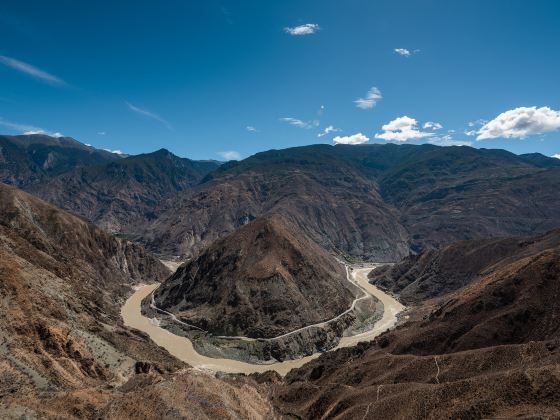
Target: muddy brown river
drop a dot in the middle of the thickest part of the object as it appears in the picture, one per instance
(182, 348)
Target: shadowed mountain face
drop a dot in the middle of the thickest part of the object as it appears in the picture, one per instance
(375, 202)
(263, 280)
(120, 195)
(435, 273)
(490, 348)
(31, 159)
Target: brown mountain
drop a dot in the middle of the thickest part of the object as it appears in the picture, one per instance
(64, 352)
(489, 349)
(263, 280)
(122, 194)
(435, 273)
(30, 159)
(375, 202)
(332, 200)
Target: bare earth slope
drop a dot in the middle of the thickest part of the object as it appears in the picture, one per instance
(490, 349)
(435, 273)
(64, 352)
(263, 280)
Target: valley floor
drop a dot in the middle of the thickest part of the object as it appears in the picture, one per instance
(182, 347)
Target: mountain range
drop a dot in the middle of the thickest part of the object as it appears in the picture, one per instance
(471, 234)
(376, 202)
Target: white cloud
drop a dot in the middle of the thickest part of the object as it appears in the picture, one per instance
(307, 29)
(328, 130)
(31, 71)
(521, 122)
(357, 138)
(33, 132)
(557, 156)
(403, 51)
(477, 122)
(402, 129)
(20, 127)
(299, 123)
(230, 155)
(447, 140)
(372, 97)
(470, 133)
(101, 133)
(251, 129)
(117, 152)
(149, 115)
(433, 125)
(27, 129)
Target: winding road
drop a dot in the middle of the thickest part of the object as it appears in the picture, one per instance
(182, 348)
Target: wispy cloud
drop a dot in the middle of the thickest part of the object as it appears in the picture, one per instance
(32, 71)
(432, 125)
(149, 115)
(357, 138)
(230, 155)
(299, 123)
(27, 129)
(19, 127)
(101, 133)
(251, 129)
(372, 97)
(405, 52)
(328, 130)
(117, 152)
(448, 140)
(307, 29)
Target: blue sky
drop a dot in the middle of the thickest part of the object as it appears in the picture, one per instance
(206, 77)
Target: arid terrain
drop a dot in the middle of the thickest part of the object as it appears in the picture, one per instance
(478, 338)
(261, 281)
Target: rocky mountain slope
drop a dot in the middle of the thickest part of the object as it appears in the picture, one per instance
(435, 273)
(30, 159)
(64, 351)
(373, 202)
(120, 195)
(488, 349)
(376, 202)
(263, 280)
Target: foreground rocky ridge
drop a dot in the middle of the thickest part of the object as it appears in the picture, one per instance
(488, 349)
(64, 351)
